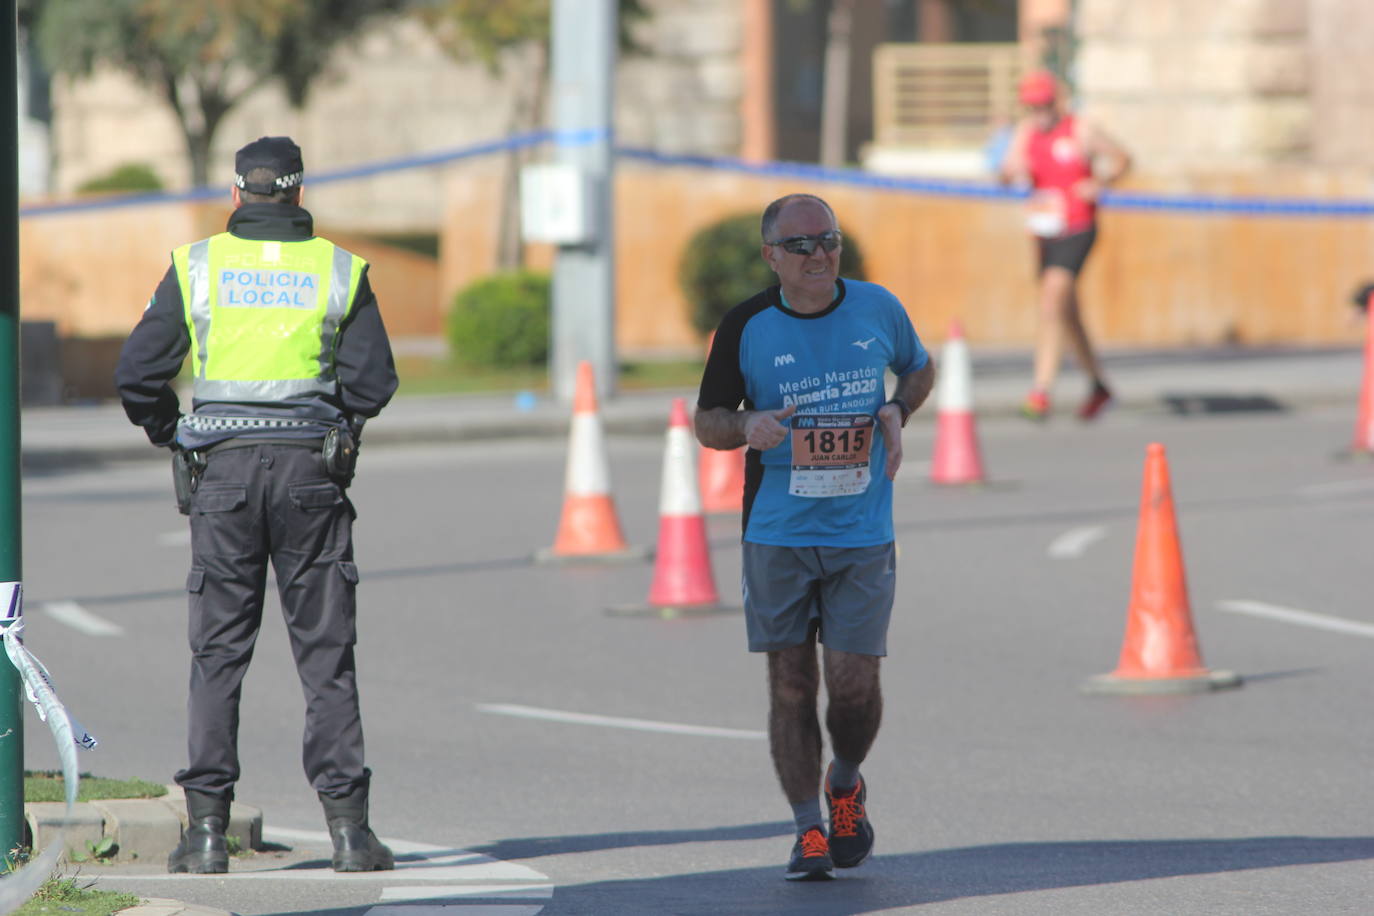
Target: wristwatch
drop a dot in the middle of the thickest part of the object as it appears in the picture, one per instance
(902, 406)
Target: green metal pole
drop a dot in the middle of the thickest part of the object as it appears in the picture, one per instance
(11, 565)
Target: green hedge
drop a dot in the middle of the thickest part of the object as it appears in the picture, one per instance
(128, 178)
(502, 320)
(721, 267)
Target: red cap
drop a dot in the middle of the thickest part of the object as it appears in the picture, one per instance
(1039, 87)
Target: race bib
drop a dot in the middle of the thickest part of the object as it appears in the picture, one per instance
(1046, 214)
(830, 454)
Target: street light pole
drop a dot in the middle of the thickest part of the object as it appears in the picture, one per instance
(583, 326)
(11, 565)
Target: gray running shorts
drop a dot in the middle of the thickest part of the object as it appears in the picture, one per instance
(847, 592)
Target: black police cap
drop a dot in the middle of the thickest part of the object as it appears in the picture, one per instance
(280, 155)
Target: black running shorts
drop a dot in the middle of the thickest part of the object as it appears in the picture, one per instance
(1068, 252)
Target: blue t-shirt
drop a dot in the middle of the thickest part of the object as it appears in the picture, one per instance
(767, 356)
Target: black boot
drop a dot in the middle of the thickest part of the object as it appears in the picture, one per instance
(203, 849)
(356, 847)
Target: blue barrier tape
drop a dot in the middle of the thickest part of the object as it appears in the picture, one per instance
(439, 157)
(1245, 206)
(396, 164)
(1119, 200)
(571, 138)
(931, 186)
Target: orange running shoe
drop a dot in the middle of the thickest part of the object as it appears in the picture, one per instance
(811, 858)
(851, 834)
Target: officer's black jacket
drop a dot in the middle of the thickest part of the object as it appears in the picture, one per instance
(153, 354)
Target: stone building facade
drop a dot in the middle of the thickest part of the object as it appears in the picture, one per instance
(1231, 85)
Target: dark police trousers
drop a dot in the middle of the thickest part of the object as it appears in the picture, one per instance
(255, 503)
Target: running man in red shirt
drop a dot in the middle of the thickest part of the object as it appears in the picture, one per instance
(1067, 162)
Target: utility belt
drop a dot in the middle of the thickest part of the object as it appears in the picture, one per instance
(337, 447)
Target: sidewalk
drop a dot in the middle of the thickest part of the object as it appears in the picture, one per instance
(143, 830)
(1191, 382)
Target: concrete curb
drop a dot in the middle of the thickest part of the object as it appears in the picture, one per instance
(1186, 383)
(143, 829)
(89, 455)
(161, 906)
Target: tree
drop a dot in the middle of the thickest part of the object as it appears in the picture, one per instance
(495, 32)
(203, 56)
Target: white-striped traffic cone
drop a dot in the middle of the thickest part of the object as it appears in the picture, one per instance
(589, 528)
(682, 566)
(956, 460)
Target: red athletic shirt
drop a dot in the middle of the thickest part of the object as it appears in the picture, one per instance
(1056, 162)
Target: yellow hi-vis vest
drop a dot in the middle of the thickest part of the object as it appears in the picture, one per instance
(263, 316)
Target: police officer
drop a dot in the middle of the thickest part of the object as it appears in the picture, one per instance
(289, 357)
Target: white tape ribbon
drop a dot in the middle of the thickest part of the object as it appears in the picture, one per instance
(18, 886)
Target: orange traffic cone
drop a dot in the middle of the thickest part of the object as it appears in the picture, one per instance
(957, 459)
(1363, 443)
(722, 472)
(1160, 653)
(683, 583)
(589, 528)
(682, 567)
(722, 480)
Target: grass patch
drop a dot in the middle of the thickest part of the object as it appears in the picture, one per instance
(49, 786)
(439, 375)
(67, 894)
(677, 374)
(429, 375)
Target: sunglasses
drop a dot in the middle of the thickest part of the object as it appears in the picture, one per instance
(829, 240)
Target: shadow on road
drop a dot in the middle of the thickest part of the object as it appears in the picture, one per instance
(402, 572)
(913, 879)
(904, 880)
(532, 847)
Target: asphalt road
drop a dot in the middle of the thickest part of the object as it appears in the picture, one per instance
(996, 786)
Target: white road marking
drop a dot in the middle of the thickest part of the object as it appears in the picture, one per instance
(1075, 541)
(1301, 618)
(179, 538)
(415, 862)
(80, 619)
(1337, 487)
(444, 909)
(519, 891)
(643, 725)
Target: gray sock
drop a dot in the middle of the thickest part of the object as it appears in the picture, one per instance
(844, 776)
(807, 814)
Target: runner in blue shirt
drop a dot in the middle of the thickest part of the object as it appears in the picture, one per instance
(806, 359)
